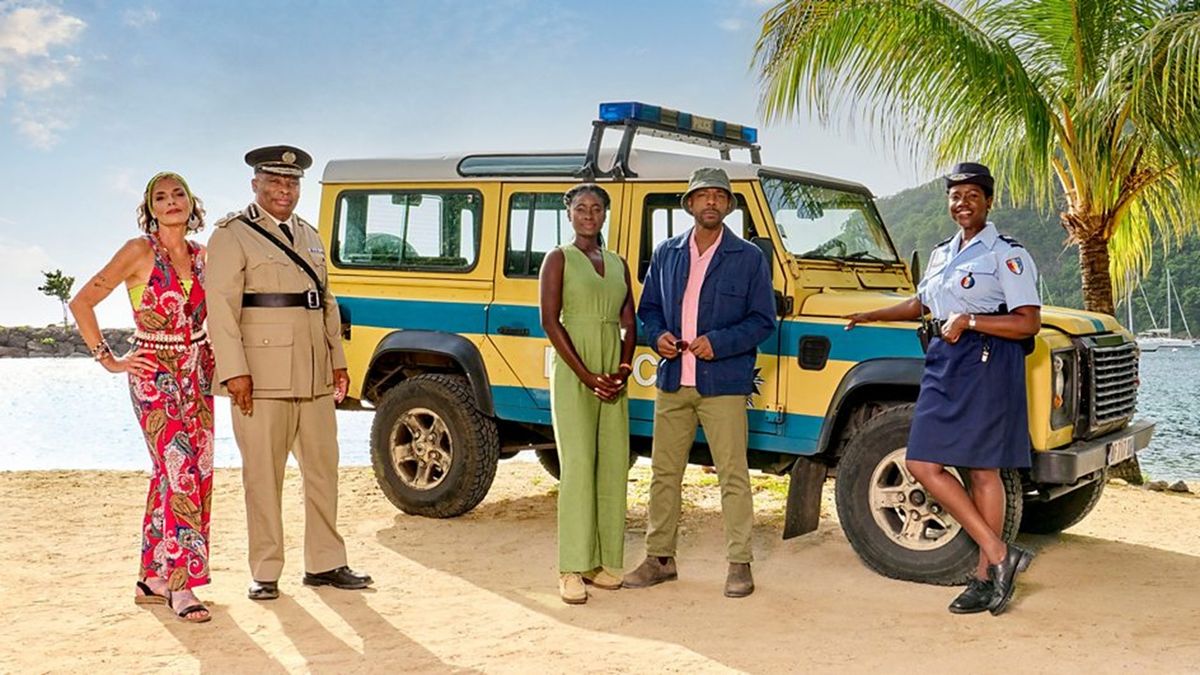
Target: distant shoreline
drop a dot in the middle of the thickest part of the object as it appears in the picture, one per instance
(54, 341)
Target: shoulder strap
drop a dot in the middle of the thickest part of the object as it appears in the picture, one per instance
(290, 253)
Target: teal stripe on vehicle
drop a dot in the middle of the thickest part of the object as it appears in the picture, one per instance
(861, 344)
(797, 435)
(450, 317)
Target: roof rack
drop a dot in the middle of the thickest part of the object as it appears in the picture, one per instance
(661, 122)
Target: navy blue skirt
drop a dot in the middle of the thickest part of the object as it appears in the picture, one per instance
(972, 413)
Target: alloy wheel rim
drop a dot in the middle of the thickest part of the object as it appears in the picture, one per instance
(422, 448)
(904, 511)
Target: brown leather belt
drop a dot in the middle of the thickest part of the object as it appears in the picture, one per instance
(308, 299)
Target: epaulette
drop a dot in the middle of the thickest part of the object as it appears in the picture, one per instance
(943, 242)
(1010, 241)
(305, 223)
(229, 218)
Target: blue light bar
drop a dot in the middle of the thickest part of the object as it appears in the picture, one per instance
(632, 111)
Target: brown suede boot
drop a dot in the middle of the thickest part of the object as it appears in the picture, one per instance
(738, 582)
(651, 572)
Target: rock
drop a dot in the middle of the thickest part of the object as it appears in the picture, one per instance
(1157, 485)
(1179, 486)
(12, 352)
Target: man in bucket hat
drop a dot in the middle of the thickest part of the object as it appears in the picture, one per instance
(706, 305)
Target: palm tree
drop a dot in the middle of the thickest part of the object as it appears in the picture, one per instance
(1101, 97)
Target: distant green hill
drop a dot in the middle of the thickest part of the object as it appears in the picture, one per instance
(918, 219)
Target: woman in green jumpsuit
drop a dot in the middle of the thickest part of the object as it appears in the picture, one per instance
(587, 312)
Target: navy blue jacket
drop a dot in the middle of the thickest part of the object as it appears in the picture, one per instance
(736, 311)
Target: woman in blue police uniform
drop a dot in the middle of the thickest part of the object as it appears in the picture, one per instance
(981, 288)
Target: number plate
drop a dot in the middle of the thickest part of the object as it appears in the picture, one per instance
(1120, 450)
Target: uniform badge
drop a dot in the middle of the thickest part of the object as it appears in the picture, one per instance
(289, 157)
(968, 281)
(1015, 265)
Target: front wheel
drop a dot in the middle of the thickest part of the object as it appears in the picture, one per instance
(893, 524)
(433, 452)
(1057, 515)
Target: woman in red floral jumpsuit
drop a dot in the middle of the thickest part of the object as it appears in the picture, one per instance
(170, 376)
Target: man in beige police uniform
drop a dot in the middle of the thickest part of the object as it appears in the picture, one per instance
(275, 330)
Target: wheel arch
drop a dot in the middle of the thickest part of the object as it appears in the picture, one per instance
(893, 379)
(404, 353)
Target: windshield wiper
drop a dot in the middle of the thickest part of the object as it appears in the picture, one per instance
(864, 255)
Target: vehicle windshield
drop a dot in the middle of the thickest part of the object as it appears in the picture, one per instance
(822, 222)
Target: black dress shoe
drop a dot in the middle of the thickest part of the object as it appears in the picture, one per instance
(341, 577)
(975, 599)
(263, 590)
(1004, 576)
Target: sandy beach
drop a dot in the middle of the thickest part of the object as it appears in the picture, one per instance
(478, 593)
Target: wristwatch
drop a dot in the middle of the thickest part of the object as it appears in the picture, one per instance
(971, 322)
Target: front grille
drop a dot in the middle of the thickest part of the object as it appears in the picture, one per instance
(1111, 385)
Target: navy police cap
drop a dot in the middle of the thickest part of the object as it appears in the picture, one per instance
(973, 173)
(281, 160)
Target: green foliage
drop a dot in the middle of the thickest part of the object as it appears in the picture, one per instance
(58, 285)
(48, 341)
(1095, 100)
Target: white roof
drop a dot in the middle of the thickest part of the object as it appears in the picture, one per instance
(650, 165)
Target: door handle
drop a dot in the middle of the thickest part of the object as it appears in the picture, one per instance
(513, 330)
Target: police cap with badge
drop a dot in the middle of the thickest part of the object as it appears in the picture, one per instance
(280, 160)
(283, 160)
(971, 173)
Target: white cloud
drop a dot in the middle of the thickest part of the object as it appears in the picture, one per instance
(31, 30)
(33, 36)
(121, 182)
(40, 128)
(731, 25)
(24, 304)
(140, 18)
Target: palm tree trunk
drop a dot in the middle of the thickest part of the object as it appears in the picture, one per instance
(1093, 266)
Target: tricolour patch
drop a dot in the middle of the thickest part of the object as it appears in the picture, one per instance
(1015, 265)
(967, 281)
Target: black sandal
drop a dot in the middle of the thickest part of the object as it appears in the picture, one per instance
(188, 612)
(144, 595)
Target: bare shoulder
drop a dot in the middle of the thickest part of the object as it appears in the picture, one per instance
(134, 249)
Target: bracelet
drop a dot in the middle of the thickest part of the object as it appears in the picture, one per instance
(101, 351)
(625, 366)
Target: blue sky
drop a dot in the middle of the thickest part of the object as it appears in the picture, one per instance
(95, 97)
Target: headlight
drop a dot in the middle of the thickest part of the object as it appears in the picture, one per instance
(1063, 388)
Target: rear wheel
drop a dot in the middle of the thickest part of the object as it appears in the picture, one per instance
(433, 452)
(1057, 515)
(893, 524)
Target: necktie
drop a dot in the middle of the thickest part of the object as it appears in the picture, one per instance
(287, 232)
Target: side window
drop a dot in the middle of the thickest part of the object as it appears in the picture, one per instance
(537, 223)
(399, 230)
(663, 218)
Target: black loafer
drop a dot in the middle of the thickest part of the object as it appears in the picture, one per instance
(341, 577)
(975, 599)
(263, 590)
(1004, 576)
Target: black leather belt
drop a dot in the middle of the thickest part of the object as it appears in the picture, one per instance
(308, 299)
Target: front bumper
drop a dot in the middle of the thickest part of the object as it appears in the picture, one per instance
(1067, 465)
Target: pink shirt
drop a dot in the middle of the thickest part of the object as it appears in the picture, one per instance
(691, 303)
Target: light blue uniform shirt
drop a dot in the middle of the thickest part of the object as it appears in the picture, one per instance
(989, 271)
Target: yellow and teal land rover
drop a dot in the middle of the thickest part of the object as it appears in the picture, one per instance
(434, 262)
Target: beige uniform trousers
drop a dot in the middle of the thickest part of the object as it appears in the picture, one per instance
(306, 427)
(727, 431)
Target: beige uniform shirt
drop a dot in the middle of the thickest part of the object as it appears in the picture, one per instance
(290, 352)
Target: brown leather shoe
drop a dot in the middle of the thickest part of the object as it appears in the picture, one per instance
(738, 582)
(651, 573)
(602, 578)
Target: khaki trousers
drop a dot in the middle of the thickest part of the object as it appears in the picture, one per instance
(727, 431)
(307, 428)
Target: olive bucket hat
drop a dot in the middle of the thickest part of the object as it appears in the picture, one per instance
(708, 177)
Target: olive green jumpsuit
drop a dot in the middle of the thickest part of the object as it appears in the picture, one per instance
(592, 435)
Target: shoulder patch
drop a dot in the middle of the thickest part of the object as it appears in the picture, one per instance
(1010, 241)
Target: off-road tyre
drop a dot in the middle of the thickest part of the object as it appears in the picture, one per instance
(952, 561)
(1057, 515)
(474, 446)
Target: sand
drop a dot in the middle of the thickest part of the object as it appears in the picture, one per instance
(478, 593)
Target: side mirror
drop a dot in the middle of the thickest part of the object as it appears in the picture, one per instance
(768, 250)
(914, 267)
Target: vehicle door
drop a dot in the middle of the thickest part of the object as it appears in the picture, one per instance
(533, 221)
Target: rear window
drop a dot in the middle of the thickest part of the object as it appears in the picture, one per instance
(537, 223)
(408, 230)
